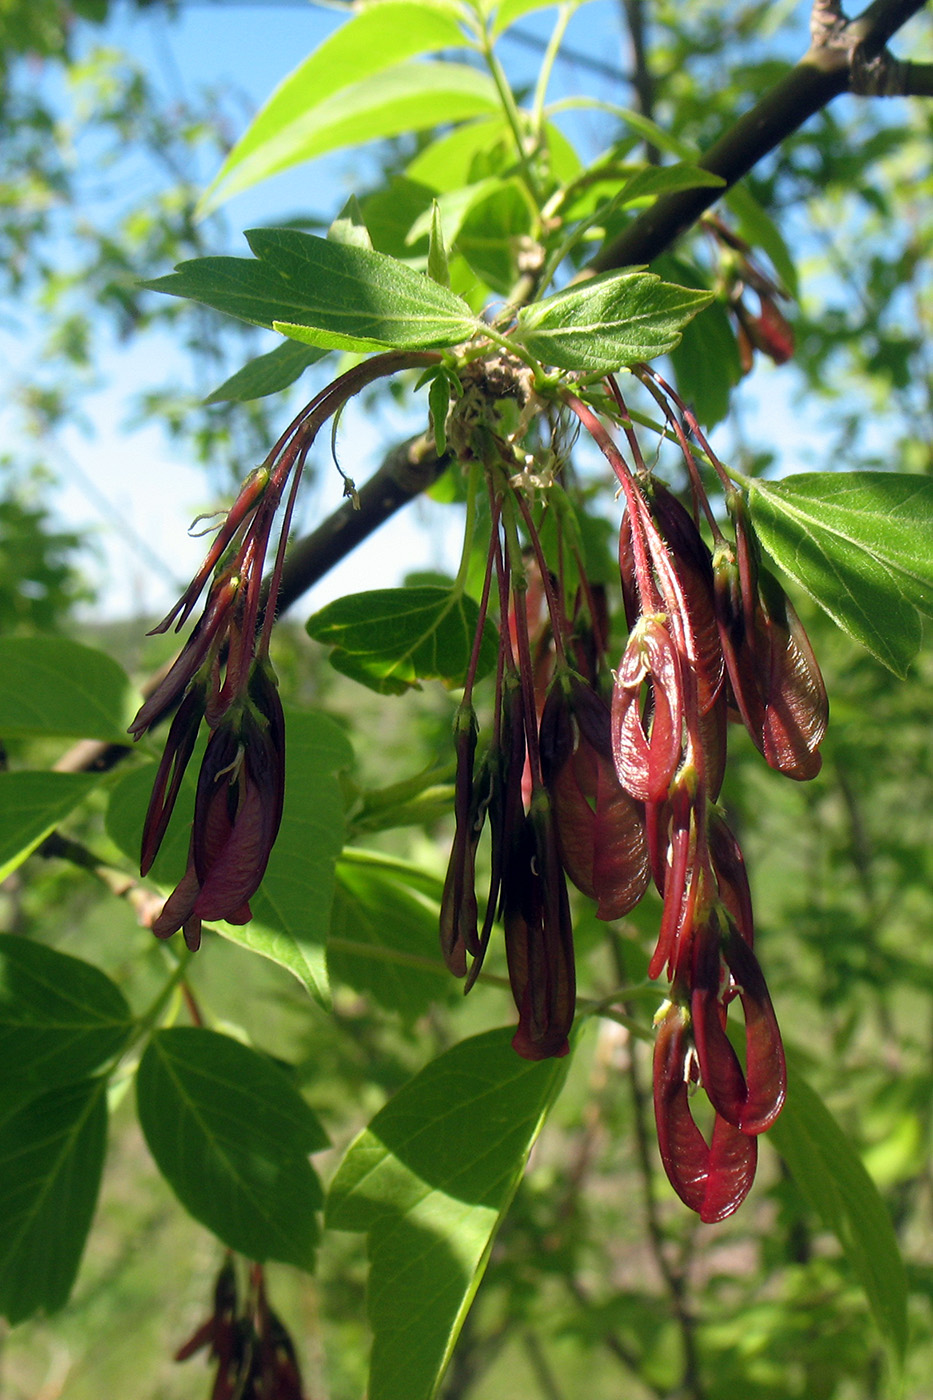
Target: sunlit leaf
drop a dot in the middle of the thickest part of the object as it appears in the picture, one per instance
(377, 38)
(267, 374)
(51, 1156)
(446, 163)
(232, 1135)
(507, 12)
(610, 321)
(50, 685)
(664, 179)
(834, 1181)
(32, 805)
(861, 544)
(429, 1181)
(399, 98)
(350, 226)
(60, 1018)
(392, 638)
(354, 295)
(493, 232)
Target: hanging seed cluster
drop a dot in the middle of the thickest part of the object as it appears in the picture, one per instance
(606, 772)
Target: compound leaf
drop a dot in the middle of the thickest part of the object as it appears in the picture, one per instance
(392, 638)
(51, 1157)
(231, 1135)
(430, 1180)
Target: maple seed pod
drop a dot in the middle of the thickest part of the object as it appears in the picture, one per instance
(693, 564)
(753, 1100)
(176, 755)
(773, 674)
(711, 1178)
(797, 710)
(647, 750)
(599, 827)
(771, 332)
(458, 922)
(237, 814)
(731, 877)
(539, 939)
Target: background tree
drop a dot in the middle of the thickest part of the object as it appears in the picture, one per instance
(239, 1076)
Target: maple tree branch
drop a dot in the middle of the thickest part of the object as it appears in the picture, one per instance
(842, 55)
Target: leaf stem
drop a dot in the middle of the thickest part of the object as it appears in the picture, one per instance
(474, 482)
(565, 14)
(513, 117)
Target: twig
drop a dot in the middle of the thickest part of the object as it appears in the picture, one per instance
(824, 72)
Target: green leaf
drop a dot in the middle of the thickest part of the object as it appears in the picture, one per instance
(51, 1157)
(610, 321)
(32, 805)
(642, 126)
(49, 685)
(231, 1135)
(384, 940)
(760, 230)
(430, 1180)
(60, 1018)
(834, 1181)
(400, 98)
(438, 408)
(509, 11)
(390, 639)
(861, 544)
(377, 38)
(241, 287)
(494, 231)
(449, 162)
(291, 909)
(438, 270)
(453, 208)
(359, 299)
(390, 212)
(476, 150)
(349, 227)
(267, 374)
(664, 179)
(707, 361)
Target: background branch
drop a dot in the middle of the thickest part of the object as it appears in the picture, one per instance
(824, 72)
